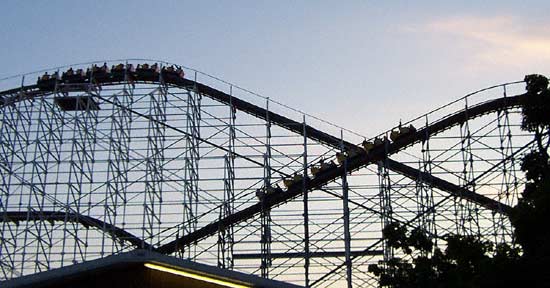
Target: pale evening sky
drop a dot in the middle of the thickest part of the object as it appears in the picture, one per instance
(361, 64)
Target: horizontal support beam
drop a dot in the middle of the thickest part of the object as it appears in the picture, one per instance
(324, 254)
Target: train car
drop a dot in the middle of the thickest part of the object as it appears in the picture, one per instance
(146, 72)
(48, 82)
(74, 76)
(367, 146)
(123, 72)
(341, 157)
(99, 74)
(172, 75)
(296, 179)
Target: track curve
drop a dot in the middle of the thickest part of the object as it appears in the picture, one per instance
(86, 221)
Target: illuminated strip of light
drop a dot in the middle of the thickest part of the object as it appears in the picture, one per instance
(194, 276)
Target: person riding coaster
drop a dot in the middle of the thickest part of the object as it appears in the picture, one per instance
(341, 157)
(407, 130)
(72, 76)
(401, 131)
(273, 190)
(351, 153)
(394, 135)
(321, 167)
(122, 72)
(119, 67)
(315, 170)
(262, 192)
(104, 69)
(99, 74)
(172, 74)
(327, 165)
(69, 72)
(146, 72)
(44, 77)
(48, 81)
(367, 146)
(180, 73)
(155, 67)
(288, 182)
(380, 141)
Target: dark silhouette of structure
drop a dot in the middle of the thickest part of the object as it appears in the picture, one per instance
(102, 159)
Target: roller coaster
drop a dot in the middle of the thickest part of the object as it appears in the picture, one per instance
(103, 158)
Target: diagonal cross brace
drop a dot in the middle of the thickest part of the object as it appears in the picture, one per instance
(377, 154)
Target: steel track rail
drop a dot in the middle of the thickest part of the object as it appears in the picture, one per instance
(86, 221)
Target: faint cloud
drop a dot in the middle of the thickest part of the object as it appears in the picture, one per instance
(500, 40)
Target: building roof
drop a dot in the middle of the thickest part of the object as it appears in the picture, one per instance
(142, 268)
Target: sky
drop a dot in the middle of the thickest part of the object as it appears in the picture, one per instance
(361, 64)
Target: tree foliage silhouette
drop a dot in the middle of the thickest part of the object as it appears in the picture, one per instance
(468, 261)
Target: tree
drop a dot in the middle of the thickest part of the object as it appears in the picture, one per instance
(467, 261)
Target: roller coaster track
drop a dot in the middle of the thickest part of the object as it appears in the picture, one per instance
(379, 153)
(86, 221)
